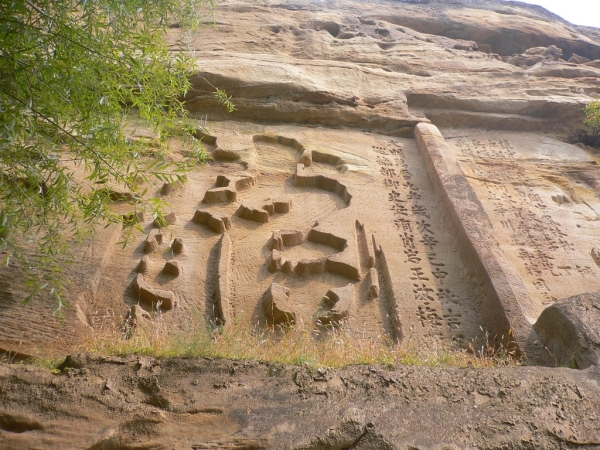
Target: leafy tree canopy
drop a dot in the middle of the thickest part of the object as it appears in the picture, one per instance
(592, 116)
(72, 74)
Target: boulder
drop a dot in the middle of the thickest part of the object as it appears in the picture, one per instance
(570, 331)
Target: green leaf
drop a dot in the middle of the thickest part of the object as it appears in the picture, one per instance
(73, 75)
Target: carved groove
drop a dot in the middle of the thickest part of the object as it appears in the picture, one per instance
(391, 299)
(156, 298)
(305, 179)
(222, 299)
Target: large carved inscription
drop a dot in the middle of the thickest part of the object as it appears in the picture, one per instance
(304, 242)
(312, 227)
(535, 207)
(438, 303)
(251, 231)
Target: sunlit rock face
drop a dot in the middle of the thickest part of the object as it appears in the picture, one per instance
(396, 169)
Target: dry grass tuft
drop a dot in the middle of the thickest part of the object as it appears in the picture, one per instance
(295, 345)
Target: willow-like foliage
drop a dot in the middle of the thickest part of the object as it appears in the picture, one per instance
(72, 74)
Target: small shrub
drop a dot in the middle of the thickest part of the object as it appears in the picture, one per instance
(592, 120)
(592, 117)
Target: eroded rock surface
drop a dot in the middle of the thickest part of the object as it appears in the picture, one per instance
(570, 330)
(408, 162)
(341, 303)
(277, 305)
(414, 153)
(140, 402)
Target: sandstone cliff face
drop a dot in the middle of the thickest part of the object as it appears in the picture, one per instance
(386, 65)
(398, 169)
(412, 149)
(491, 219)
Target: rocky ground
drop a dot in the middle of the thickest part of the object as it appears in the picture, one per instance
(401, 169)
(143, 403)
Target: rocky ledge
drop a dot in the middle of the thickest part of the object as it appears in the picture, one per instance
(145, 403)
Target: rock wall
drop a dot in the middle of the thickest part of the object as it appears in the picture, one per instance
(415, 148)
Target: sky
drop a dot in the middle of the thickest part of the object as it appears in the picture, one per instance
(578, 12)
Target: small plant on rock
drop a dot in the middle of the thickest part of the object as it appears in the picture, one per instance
(592, 120)
(592, 117)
